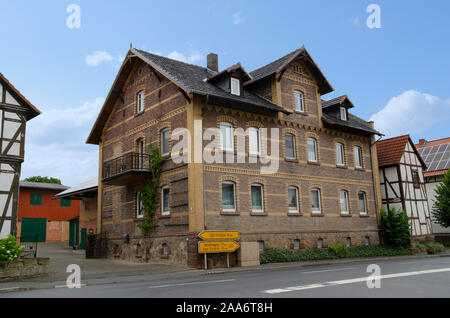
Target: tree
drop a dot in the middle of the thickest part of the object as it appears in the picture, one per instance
(39, 179)
(395, 227)
(441, 208)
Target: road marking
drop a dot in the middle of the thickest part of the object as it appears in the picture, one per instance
(65, 286)
(195, 283)
(329, 270)
(352, 281)
(9, 289)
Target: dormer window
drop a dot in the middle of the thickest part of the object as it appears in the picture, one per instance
(343, 113)
(235, 86)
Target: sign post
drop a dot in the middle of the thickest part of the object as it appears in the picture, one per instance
(220, 242)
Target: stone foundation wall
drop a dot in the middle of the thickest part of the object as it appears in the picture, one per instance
(24, 268)
(165, 250)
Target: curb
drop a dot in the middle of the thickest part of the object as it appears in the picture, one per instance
(199, 273)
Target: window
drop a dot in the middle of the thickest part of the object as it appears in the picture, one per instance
(290, 146)
(296, 244)
(36, 199)
(415, 179)
(226, 136)
(358, 156)
(366, 241)
(257, 198)
(349, 242)
(140, 102)
(312, 150)
(64, 202)
(320, 243)
(140, 146)
(165, 249)
(343, 198)
(362, 203)
(293, 199)
(139, 206)
(165, 206)
(165, 142)
(228, 197)
(315, 200)
(340, 158)
(261, 246)
(343, 113)
(235, 86)
(299, 101)
(254, 141)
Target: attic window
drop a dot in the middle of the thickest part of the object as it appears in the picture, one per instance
(343, 113)
(235, 86)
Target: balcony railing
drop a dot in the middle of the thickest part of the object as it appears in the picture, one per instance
(122, 170)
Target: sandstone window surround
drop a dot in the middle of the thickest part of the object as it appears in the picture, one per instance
(228, 196)
(357, 153)
(139, 206)
(343, 201)
(312, 150)
(254, 141)
(362, 202)
(290, 146)
(165, 142)
(257, 192)
(226, 136)
(293, 199)
(316, 201)
(140, 150)
(340, 154)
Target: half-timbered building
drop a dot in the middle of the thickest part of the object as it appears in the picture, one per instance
(15, 111)
(402, 182)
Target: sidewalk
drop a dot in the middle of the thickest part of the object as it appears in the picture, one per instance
(113, 272)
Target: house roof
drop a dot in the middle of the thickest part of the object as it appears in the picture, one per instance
(192, 79)
(353, 123)
(39, 185)
(435, 173)
(280, 65)
(235, 67)
(436, 154)
(436, 142)
(33, 111)
(84, 187)
(341, 100)
(390, 151)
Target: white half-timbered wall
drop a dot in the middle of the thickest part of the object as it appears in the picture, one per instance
(399, 191)
(12, 138)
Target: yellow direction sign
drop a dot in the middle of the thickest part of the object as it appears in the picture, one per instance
(219, 235)
(217, 247)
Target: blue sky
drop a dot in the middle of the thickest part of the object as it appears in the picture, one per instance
(397, 75)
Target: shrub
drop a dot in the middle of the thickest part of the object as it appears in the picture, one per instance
(441, 207)
(395, 228)
(9, 249)
(340, 251)
(432, 248)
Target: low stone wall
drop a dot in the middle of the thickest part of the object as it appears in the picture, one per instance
(24, 268)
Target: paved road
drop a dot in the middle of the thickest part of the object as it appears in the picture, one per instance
(400, 278)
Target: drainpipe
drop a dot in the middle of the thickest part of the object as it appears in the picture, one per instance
(372, 144)
(203, 167)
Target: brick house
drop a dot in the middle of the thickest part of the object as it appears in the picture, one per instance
(323, 190)
(40, 214)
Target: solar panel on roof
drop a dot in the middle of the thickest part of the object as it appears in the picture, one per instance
(425, 151)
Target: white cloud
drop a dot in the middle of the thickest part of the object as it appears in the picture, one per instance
(238, 18)
(56, 147)
(411, 112)
(193, 58)
(98, 57)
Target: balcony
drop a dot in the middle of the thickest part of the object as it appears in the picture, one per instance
(129, 169)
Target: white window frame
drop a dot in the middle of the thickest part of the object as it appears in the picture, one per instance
(234, 196)
(315, 149)
(365, 203)
(227, 126)
(343, 112)
(140, 102)
(163, 189)
(293, 146)
(296, 210)
(299, 101)
(320, 203)
(140, 153)
(345, 198)
(235, 86)
(139, 206)
(251, 146)
(357, 154)
(167, 152)
(340, 154)
(262, 197)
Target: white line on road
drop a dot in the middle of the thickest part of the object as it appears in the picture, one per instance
(352, 281)
(65, 286)
(329, 270)
(195, 283)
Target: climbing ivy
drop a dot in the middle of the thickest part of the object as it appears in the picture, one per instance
(150, 192)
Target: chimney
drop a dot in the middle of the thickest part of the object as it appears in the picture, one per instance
(212, 62)
(422, 142)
